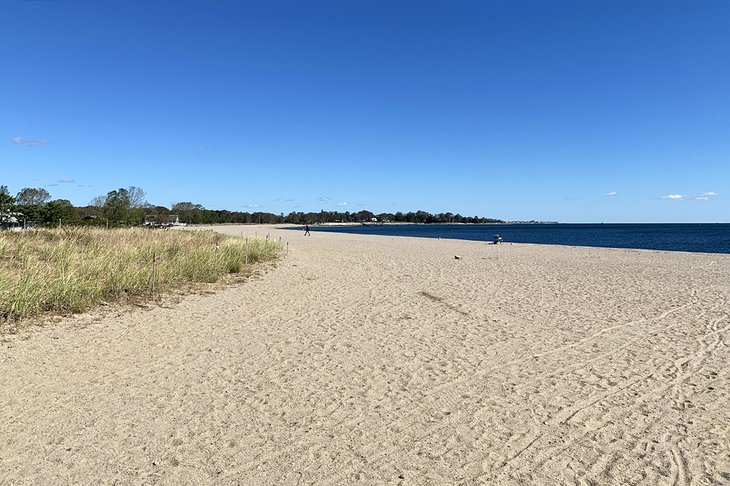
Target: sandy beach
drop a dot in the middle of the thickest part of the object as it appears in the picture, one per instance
(381, 360)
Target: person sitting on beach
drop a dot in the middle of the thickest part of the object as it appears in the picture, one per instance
(306, 230)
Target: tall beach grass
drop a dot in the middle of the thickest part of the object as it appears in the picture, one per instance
(71, 270)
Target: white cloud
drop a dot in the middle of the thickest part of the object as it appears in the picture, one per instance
(252, 206)
(323, 199)
(343, 203)
(28, 143)
(705, 196)
(66, 181)
(611, 194)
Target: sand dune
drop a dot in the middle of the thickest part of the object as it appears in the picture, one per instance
(379, 360)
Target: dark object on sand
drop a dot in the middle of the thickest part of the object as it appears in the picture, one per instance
(497, 239)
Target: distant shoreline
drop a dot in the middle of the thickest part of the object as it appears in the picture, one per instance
(403, 223)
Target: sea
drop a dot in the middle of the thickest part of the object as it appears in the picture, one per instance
(692, 237)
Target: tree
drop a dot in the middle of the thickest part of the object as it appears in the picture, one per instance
(58, 210)
(136, 197)
(181, 207)
(192, 213)
(30, 196)
(363, 215)
(6, 203)
(116, 206)
(98, 201)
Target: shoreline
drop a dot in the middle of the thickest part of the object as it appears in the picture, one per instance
(366, 359)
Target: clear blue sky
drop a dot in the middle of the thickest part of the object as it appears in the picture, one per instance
(510, 109)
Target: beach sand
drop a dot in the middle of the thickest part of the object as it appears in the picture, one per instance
(381, 360)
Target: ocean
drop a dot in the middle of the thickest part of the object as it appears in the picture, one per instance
(694, 237)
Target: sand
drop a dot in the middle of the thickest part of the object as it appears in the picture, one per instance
(381, 360)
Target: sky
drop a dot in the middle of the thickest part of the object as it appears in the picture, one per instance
(572, 111)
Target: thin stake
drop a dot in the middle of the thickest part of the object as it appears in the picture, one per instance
(154, 273)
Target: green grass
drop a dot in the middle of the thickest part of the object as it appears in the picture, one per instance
(61, 271)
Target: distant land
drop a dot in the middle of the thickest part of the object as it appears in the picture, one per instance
(129, 207)
(532, 222)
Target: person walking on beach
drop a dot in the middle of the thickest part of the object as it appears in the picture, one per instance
(306, 230)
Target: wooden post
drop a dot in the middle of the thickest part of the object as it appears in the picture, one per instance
(154, 273)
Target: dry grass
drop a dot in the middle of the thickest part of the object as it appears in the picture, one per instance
(71, 270)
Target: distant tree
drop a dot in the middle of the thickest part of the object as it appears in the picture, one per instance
(156, 214)
(363, 216)
(98, 201)
(193, 213)
(94, 212)
(128, 206)
(31, 213)
(30, 196)
(136, 196)
(295, 218)
(183, 206)
(117, 206)
(423, 217)
(6, 203)
(57, 211)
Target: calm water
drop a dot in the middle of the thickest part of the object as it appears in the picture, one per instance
(710, 238)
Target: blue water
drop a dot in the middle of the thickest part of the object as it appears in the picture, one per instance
(710, 238)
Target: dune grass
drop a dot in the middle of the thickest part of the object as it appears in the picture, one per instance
(70, 270)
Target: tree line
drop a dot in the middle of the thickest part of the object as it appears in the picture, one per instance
(129, 207)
